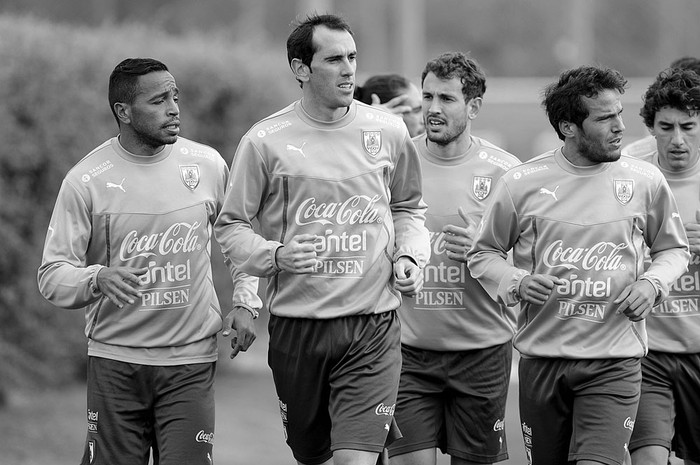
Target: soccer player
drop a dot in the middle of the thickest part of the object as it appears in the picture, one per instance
(669, 408)
(456, 340)
(578, 219)
(645, 147)
(396, 94)
(336, 187)
(129, 240)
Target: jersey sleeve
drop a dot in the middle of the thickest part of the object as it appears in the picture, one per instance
(245, 286)
(408, 208)
(248, 183)
(63, 276)
(667, 241)
(488, 259)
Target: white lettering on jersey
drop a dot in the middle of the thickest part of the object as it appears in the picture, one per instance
(358, 209)
(603, 256)
(178, 238)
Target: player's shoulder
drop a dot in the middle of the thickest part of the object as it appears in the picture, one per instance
(638, 168)
(641, 148)
(492, 154)
(274, 124)
(189, 149)
(96, 161)
(368, 115)
(537, 166)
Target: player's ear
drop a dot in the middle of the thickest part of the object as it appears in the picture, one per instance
(300, 70)
(123, 112)
(567, 128)
(473, 107)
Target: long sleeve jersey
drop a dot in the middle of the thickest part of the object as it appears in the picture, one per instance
(119, 209)
(587, 226)
(674, 325)
(453, 312)
(354, 182)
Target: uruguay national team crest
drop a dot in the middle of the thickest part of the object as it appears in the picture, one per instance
(372, 142)
(481, 186)
(624, 190)
(190, 175)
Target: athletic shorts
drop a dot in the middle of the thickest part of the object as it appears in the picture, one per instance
(573, 410)
(133, 409)
(670, 402)
(455, 401)
(337, 381)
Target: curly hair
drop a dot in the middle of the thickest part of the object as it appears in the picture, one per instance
(674, 87)
(563, 100)
(456, 64)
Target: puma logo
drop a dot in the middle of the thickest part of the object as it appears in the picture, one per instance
(553, 193)
(675, 215)
(297, 149)
(117, 186)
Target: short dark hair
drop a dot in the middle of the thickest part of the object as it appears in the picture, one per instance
(456, 64)
(300, 42)
(122, 81)
(563, 100)
(676, 88)
(384, 86)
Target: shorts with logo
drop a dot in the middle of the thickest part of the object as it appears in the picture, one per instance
(669, 402)
(134, 408)
(336, 380)
(455, 401)
(573, 410)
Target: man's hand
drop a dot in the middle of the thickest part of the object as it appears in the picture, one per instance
(409, 277)
(692, 230)
(241, 321)
(120, 283)
(537, 288)
(636, 300)
(397, 105)
(298, 255)
(458, 240)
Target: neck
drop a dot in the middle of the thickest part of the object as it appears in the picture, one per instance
(451, 150)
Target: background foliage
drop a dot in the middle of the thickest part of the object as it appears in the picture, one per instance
(53, 111)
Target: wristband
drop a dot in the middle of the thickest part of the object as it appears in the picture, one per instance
(254, 313)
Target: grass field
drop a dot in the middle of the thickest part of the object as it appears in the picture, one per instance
(41, 428)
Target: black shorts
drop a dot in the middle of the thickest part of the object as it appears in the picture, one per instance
(670, 402)
(455, 401)
(337, 381)
(573, 410)
(134, 408)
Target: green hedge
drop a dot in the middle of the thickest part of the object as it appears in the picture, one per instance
(54, 110)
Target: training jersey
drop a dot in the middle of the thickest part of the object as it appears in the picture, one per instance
(587, 226)
(674, 325)
(643, 148)
(354, 182)
(453, 312)
(115, 208)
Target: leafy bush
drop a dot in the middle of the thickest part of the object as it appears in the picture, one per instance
(53, 102)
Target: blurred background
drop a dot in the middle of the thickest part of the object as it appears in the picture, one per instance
(229, 60)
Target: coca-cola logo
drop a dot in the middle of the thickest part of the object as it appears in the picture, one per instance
(385, 409)
(500, 425)
(178, 238)
(603, 256)
(204, 437)
(357, 209)
(629, 423)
